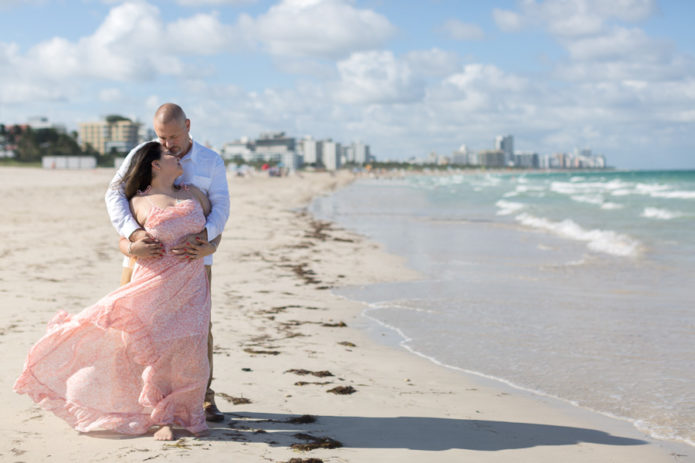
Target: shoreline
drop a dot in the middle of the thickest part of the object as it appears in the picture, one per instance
(642, 425)
(678, 444)
(273, 313)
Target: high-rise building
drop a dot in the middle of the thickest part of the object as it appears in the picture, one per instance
(527, 160)
(348, 155)
(331, 154)
(492, 158)
(113, 134)
(360, 152)
(505, 143)
(312, 151)
(460, 156)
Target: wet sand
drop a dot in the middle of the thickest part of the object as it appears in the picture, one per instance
(295, 378)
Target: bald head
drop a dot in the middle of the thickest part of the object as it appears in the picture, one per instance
(172, 127)
(170, 113)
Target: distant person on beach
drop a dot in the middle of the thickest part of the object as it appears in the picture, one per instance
(203, 168)
(137, 358)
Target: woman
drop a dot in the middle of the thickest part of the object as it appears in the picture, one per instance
(138, 357)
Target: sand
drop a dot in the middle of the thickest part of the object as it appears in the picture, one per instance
(273, 312)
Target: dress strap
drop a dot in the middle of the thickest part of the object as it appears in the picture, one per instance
(150, 201)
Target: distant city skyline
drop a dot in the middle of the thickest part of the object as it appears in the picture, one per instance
(411, 78)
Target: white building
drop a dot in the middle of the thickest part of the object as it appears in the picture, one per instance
(360, 153)
(330, 154)
(347, 154)
(460, 156)
(312, 151)
(291, 160)
(242, 147)
(600, 161)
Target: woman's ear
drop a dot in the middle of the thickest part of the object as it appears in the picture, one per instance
(155, 165)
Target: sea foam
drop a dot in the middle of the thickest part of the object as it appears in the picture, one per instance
(508, 207)
(673, 194)
(660, 214)
(605, 241)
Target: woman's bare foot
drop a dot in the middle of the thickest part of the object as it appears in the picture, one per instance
(164, 433)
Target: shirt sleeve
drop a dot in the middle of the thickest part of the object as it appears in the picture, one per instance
(219, 200)
(117, 204)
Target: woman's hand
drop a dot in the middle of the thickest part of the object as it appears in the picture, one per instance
(194, 248)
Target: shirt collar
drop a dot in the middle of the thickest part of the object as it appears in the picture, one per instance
(192, 153)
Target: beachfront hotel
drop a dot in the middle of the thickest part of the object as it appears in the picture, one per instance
(112, 134)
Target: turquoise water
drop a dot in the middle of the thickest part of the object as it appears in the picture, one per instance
(574, 285)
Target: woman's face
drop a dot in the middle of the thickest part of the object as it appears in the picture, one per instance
(169, 165)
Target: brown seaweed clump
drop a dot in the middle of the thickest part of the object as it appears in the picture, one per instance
(305, 460)
(342, 390)
(233, 400)
(304, 419)
(301, 371)
(265, 352)
(335, 325)
(314, 442)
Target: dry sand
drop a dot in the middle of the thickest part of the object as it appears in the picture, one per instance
(272, 311)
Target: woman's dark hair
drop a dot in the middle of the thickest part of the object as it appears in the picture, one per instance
(139, 174)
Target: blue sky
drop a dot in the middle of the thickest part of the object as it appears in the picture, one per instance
(406, 77)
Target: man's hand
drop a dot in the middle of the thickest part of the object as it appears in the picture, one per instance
(137, 235)
(146, 247)
(194, 246)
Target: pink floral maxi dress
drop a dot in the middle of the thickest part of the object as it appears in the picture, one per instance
(138, 357)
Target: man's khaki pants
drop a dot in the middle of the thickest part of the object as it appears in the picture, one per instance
(127, 274)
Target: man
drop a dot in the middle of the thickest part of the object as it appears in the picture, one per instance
(203, 168)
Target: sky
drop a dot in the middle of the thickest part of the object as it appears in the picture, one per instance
(406, 77)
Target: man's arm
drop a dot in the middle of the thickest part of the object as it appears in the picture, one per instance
(218, 194)
(117, 204)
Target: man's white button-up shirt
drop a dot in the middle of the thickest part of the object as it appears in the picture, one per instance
(202, 167)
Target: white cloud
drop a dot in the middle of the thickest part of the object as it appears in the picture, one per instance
(572, 18)
(481, 90)
(486, 74)
(506, 20)
(619, 43)
(318, 28)
(132, 44)
(433, 62)
(459, 30)
(376, 77)
(202, 34)
(20, 92)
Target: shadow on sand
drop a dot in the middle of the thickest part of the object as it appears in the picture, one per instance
(406, 432)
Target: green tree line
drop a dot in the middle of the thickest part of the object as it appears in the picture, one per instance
(33, 144)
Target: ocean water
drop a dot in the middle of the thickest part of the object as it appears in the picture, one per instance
(579, 286)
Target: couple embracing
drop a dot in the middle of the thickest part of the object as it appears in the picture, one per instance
(141, 357)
